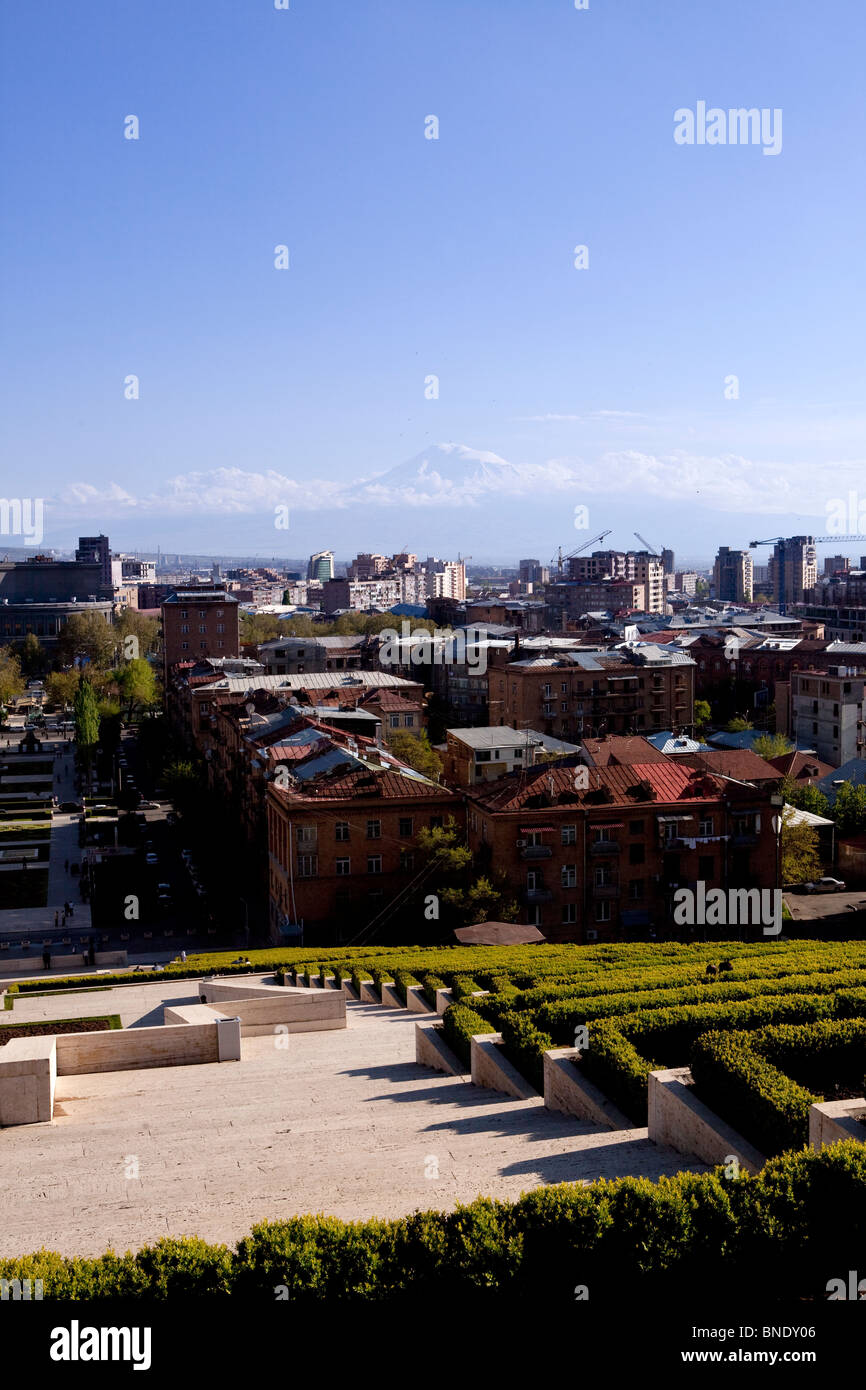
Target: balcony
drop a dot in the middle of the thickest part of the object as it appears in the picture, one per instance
(536, 852)
(675, 845)
(537, 895)
(606, 890)
(745, 841)
(599, 847)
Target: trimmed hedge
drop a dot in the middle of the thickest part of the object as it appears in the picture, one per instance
(46, 1027)
(773, 1237)
(525, 1046)
(459, 1026)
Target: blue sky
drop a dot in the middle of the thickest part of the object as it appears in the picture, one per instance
(411, 257)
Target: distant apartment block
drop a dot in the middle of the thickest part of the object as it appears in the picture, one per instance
(800, 568)
(359, 594)
(321, 566)
(732, 575)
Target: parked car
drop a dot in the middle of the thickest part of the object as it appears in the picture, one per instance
(70, 806)
(151, 859)
(148, 805)
(826, 885)
(163, 888)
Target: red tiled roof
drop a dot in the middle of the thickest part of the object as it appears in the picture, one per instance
(673, 782)
(623, 750)
(364, 784)
(798, 765)
(387, 700)
(734, 762)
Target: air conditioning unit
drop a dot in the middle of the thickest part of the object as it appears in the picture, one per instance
(521, 844)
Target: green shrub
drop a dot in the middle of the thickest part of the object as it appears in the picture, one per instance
(459, 1026)
(525, 1046)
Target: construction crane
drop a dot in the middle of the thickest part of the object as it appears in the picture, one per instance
(781, 543)
(651, 548)
(559, 557)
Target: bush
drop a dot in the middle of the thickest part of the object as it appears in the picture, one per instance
(459, 1026)
(525, 1046)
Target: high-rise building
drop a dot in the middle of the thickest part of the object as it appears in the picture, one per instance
(95, 550)
(800, 568)
(200, 620)
(668, 564)
(321, 566)
(732, 575)
(448, 580)
(532, 572)
(635, 567)
(836, 564)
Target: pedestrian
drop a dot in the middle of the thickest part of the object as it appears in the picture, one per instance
(46, 957)
(56, 918)
(72, 909)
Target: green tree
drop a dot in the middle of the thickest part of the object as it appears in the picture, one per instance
(87, 637)
(417, 751)
(145, 631)
(136, 681)
(772, 745)
(86, 721)
(11, 681)
(703, 713)
(738, 725)
(849, 809)
(61, 688)
(800, 858)
(466, 895)
(185, 783)
(33, 659)
(806, 797)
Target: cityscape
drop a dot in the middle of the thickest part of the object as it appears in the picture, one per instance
(482, 916)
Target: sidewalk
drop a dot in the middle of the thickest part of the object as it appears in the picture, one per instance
(62, 886)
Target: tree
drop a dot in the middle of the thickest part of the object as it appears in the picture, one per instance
(467, 897)
(703, 713)
(800, 859)
(87, 638)
(417, 751)
(137, 684)
(11, 682)
(61, 688)
(33, 658)
(86, 721)
(849, 809)
(805, 797)
(772, 746)
(145, 631)
(738, 725)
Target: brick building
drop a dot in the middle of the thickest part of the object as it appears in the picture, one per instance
(586, 693)
(342, 828)
(198, 621)
(603, 863)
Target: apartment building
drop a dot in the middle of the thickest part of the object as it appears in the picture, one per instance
(359, 595)
(732, 575)
(827, 712)
(485, 754)
(602, 864)
(343, 821)
(291, 656)
(799, 561)
(586, 693)
(321, 566)
(639, 567)
(200, 620)
(446, 579)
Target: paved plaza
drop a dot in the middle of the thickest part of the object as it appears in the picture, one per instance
(343, 1122)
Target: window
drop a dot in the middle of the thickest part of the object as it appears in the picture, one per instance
(533, 880)
(220, 644)
(405, 827)
(602, 912)
(564, 707)
(394, 721)
(374, 829)
(569, 914)
(534, 917)
(203, 646)
(409, 721)
(435, 822)
(202, 627)
(307, 835)
(705, 827)
(202, 612)
(602, 876)
(184, 646)
(568, 835)
(636, 854)
(374, 863)
(564, 687)
(344, 867)
(184, 627)
(706, 866)
(548, 691)
(635, 889)
(407, 861)
(636, 827)
(599, 835)
(308, 865)
(184, 612)
(221, 627)
(569, 875)
(219, 612)
(341, 830)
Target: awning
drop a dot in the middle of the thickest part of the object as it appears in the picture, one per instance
(610, 825)
(528, 829)
(669, 820)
